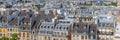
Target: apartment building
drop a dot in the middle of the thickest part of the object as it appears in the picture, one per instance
(106, 27)
(61, 31)
(117, 31)
(3, 23)
(45, 31)
(13, 25)
(92, 31)
(25, 27)
(8, 25)
(80, 31)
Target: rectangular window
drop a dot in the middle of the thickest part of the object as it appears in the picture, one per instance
(19, 34)
(58, 33)
(54, 39)
(23, 34)
(27, 34)
(10, 29)
(45, 38)
(99, 24)
(48, 38)
(91, 37)
(82, 37)
(85, 37)
(10, 34)
(65, 33)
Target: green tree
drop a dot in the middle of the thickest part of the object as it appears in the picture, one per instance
(14, 37)
(4, 38)
(114, 3)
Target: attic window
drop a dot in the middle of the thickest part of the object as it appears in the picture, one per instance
(52, 27)
(33, 32)
(67, 28)
(117, 29)
(41, 26)
(57, 27)
(16, 25)
(44, 26)
(48, 27)
(64, 28)
(60, 28)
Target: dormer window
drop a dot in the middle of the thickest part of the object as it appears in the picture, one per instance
(48, 27)
(64, 28)
(60, 28)
(33, 32)
(52, 27)
(41, 26)
(16, 25)
(67, 28)
(84, 32)
(44, 26)
(57, 28)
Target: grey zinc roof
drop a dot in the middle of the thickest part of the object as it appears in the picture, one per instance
(62, 26)
(46, 28)
(106, 19)
(46, 25)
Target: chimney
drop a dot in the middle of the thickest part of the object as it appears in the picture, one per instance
(58, 11)
(54, 11)
(77, 20)
(54, 20)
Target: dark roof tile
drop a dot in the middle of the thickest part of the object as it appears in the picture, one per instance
(23, 13)
(26, 20)
(14, 21)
